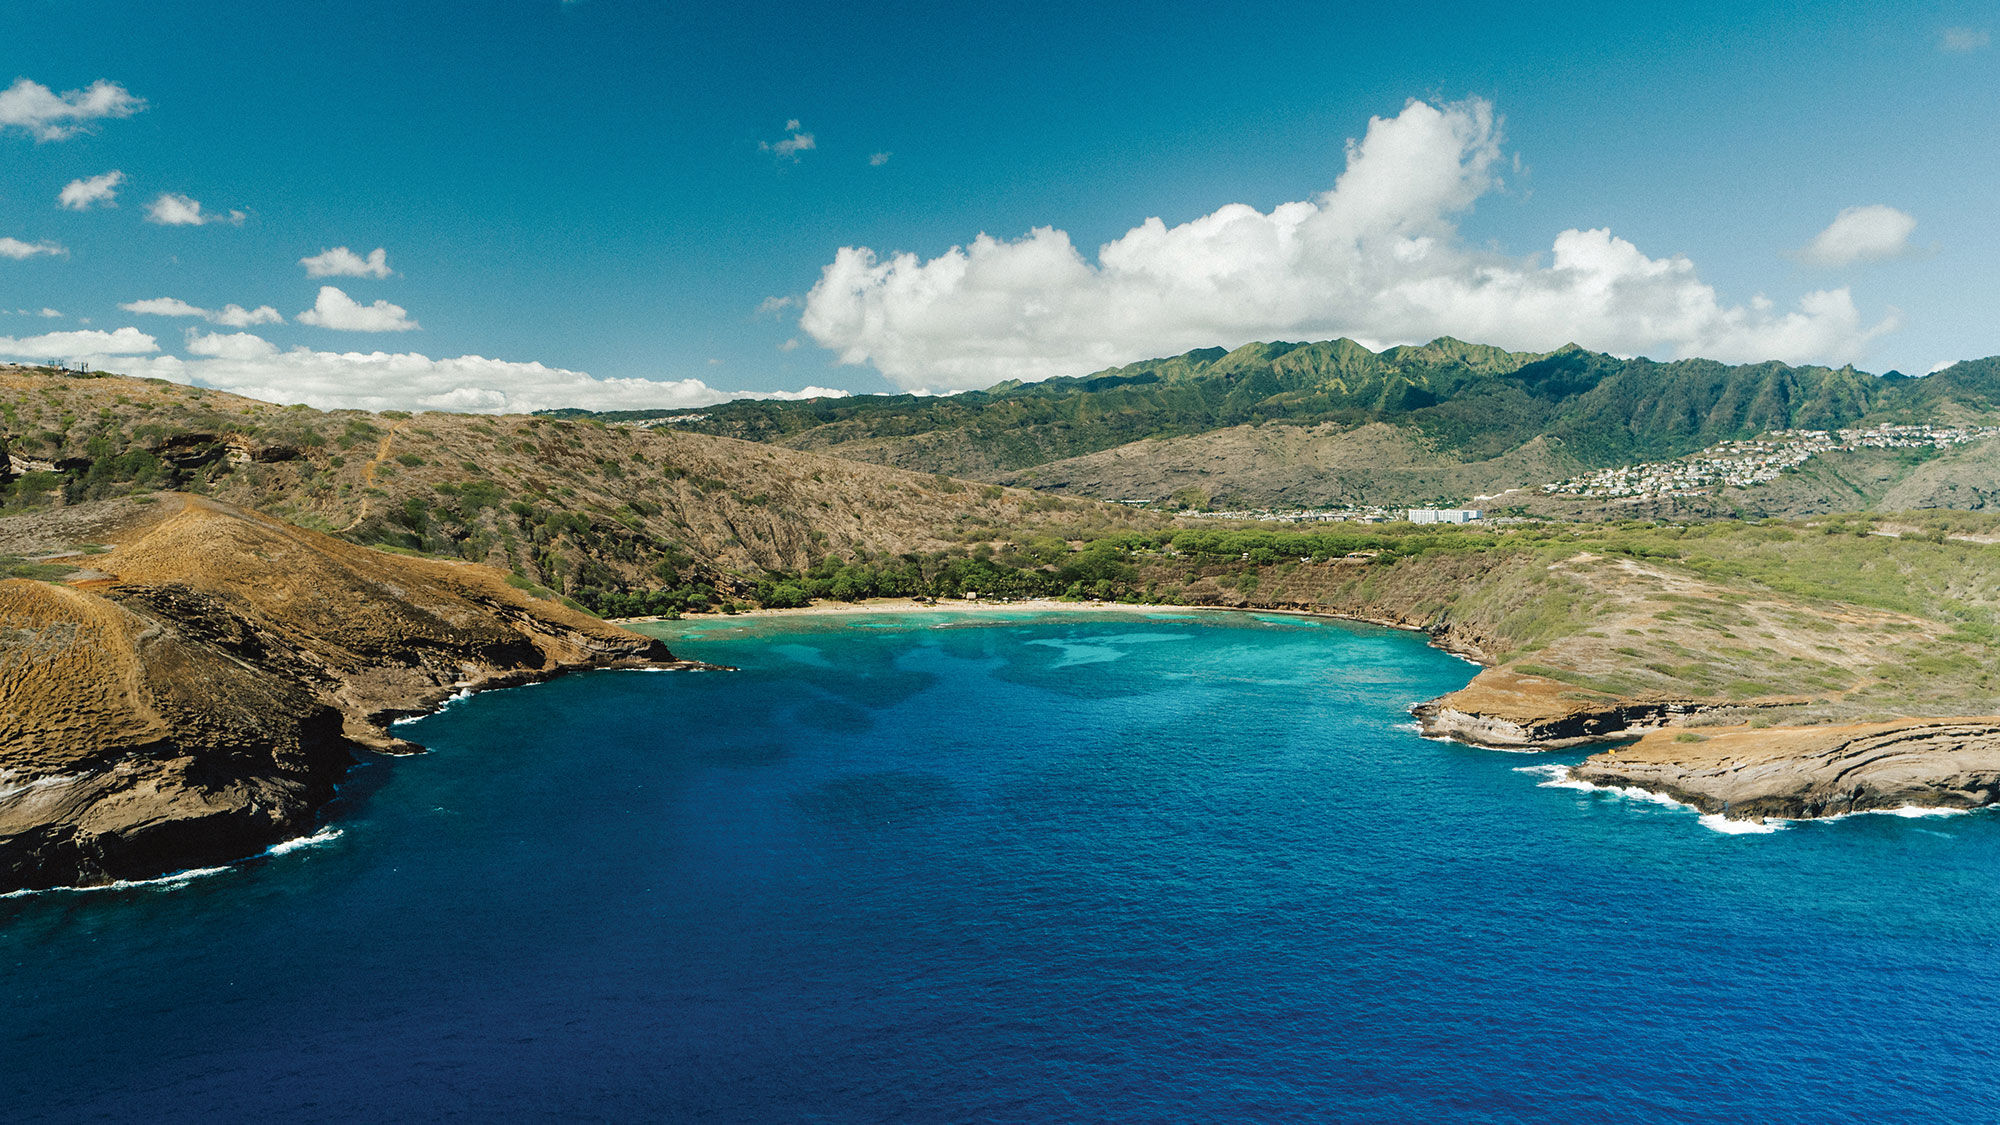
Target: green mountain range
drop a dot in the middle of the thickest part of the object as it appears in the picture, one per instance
(1448, 405)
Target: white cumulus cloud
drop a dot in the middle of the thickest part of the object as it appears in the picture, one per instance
(342, 262)
(791, 146)
(16, 249)
(250, 365)
(173, 209)
(337, 310)
(1377, 258)
(229, 345)
(163, 306)
(1874, 233)
(88, 192)
(50, 116)
(88, 343)
(234, 316)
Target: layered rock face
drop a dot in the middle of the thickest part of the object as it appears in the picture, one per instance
(200, 699)
(1742, 772)
(1802, 772)
(1505, 710)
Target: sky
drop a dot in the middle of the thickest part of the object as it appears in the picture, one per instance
(612, 204)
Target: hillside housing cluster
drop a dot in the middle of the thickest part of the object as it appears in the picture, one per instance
(1740, 464)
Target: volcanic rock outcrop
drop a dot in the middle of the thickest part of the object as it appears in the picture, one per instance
(1748, 773)
(1506, 710)
(201, 696)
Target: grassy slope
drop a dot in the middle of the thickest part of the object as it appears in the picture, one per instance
(578, 507)
(1832, 618)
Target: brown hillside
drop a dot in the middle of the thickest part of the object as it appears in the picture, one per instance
(1269, 466)
(200, 689)
(579, 507)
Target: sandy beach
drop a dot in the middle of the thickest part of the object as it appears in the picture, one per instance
(1028, 605)
(952, 605)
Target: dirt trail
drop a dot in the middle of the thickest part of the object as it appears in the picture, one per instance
(368, 476)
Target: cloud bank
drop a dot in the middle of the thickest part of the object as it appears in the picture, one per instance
(88, 343)
(1875, 233)
(342, 262)
(49, 116)
(91, 191)
(1377, 258)
(248, 364)
(337, 310)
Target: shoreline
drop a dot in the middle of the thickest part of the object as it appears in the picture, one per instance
(912, 605)
(1503, 709)
(1437, 639)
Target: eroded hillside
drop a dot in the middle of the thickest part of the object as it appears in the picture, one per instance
(196, 694)
(605, 514)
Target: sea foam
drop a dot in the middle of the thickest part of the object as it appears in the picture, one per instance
(171, 882)
(1560, 777)
(323, 836)
(178, 879)
(461, 693)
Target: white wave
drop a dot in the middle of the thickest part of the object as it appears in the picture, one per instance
(323, 836)
(1715, 822)
(1560, 777)
(165, 882)
(1556, 777)
(447, 701)
(1908, 812)
(180, 879)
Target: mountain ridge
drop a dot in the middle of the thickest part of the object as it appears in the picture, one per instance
(1469, 402)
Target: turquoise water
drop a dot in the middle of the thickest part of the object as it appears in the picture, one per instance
(1136, 867)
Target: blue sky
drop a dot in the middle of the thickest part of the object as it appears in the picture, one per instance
(577, 197)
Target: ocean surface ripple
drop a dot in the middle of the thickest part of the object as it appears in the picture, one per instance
(1178, 867)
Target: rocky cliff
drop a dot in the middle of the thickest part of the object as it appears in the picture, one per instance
(1502, 709)
(1748, 774)
(197, 693)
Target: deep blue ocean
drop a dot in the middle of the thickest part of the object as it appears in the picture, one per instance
(1123, 867)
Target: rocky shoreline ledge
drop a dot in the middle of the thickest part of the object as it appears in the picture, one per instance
(1740, 772)
(1801, 773)
(199, 695)
(1502, 709)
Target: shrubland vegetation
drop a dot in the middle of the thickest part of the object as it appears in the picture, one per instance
(1843, 615)
(1470, 401)
(616, 518)
(1841, 618)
